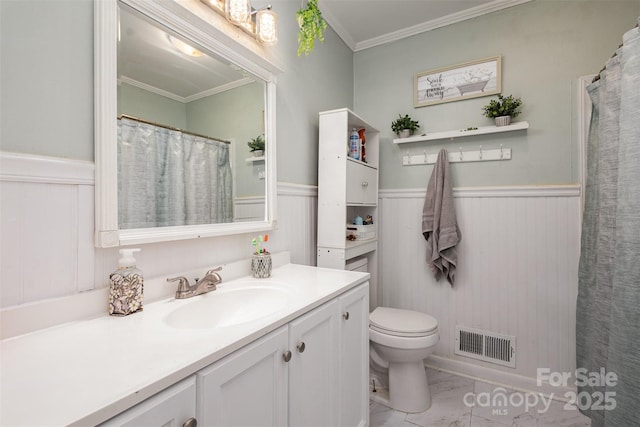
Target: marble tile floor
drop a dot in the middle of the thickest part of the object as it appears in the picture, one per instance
(448, 407)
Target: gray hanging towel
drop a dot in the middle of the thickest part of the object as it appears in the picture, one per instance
(439, 224)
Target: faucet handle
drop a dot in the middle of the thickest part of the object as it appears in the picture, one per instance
(214, 270)
(183, 283)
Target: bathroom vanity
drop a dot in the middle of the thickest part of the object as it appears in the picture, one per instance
(288, 350)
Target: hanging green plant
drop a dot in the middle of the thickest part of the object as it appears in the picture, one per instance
(312, 25)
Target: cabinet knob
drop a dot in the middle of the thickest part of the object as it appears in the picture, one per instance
(365, 184)
(286, 356)
(301, 347)
(191, 422)
(345, 316)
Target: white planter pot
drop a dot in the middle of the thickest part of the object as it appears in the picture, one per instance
(405, 133)
(258, 153)
(503, 120)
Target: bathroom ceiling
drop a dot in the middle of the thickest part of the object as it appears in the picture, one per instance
(367, 23)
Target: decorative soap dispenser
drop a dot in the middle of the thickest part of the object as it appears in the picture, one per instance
(126, 285)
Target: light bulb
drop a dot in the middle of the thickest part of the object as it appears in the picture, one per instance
(238, 11)
(267, 27)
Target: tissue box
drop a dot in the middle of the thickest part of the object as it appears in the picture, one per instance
(362, 232)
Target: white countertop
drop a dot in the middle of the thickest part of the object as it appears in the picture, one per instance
(85, 372)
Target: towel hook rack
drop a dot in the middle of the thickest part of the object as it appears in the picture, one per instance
(481, 155)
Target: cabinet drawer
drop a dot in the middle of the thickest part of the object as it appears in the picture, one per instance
(362, 184)
(172, 406)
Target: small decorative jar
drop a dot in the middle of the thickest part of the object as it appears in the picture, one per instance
(261, 265)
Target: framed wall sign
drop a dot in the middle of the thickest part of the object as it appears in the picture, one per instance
(464, 81)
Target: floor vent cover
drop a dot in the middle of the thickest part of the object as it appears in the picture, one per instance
(487, 346)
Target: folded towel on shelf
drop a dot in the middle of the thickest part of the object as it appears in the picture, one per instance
(439, 223)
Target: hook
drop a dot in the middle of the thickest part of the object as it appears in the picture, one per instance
(408, 157)
(460, 153)
(501, 153)
(481, 152)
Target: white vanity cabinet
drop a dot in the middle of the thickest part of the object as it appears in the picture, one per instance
(256, 373)
(174, 406)
(248, 387)
(311, 372)
(353, 394)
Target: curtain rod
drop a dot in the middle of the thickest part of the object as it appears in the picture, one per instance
(126, 116)
(597, 77)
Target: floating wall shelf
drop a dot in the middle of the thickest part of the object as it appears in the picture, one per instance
(451, 134)
(254, 159)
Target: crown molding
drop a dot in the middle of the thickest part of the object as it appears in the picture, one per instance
(182, 99)
(453, 18)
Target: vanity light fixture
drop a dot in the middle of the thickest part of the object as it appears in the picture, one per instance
(261, 24)
(184, 47)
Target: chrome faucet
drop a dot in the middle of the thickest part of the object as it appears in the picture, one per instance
(202, 286)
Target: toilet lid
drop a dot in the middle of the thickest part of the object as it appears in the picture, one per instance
(394, 321)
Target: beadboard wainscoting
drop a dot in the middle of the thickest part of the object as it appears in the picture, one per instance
(298, 221)
(517, 273)
(248, 208)
(46, 224)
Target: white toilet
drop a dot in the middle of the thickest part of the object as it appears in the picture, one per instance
(400, 341)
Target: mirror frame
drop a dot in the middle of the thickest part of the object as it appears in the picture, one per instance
(193, 21)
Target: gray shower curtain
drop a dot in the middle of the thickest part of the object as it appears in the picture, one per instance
(608, 305)
(167, 178)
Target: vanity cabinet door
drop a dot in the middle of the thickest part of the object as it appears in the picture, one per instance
(313, 370)
(248, 387)
(174, 406)
(354, 357)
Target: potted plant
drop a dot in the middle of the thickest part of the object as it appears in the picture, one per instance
(404, 126)
(503, 109)
(257, 145)
(312, 26)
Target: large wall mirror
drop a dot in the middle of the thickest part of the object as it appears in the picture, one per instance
(177, 101)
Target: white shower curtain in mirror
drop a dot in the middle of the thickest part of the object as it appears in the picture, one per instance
(608, 306)
(168, 178)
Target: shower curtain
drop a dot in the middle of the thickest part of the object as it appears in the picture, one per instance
(167, 178)
(608, 305)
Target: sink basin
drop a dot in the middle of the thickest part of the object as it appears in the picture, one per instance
(230, 305)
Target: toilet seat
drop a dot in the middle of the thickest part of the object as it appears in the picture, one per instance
(402, 323)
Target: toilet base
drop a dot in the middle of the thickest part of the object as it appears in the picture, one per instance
(408, 387)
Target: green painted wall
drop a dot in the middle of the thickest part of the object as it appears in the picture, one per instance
(235, 115)
(545, 46)
(46, 81)
(46, 77)
(146, 105)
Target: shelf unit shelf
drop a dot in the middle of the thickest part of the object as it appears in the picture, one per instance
(359, 162)
(356, 248)
(462, 133)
